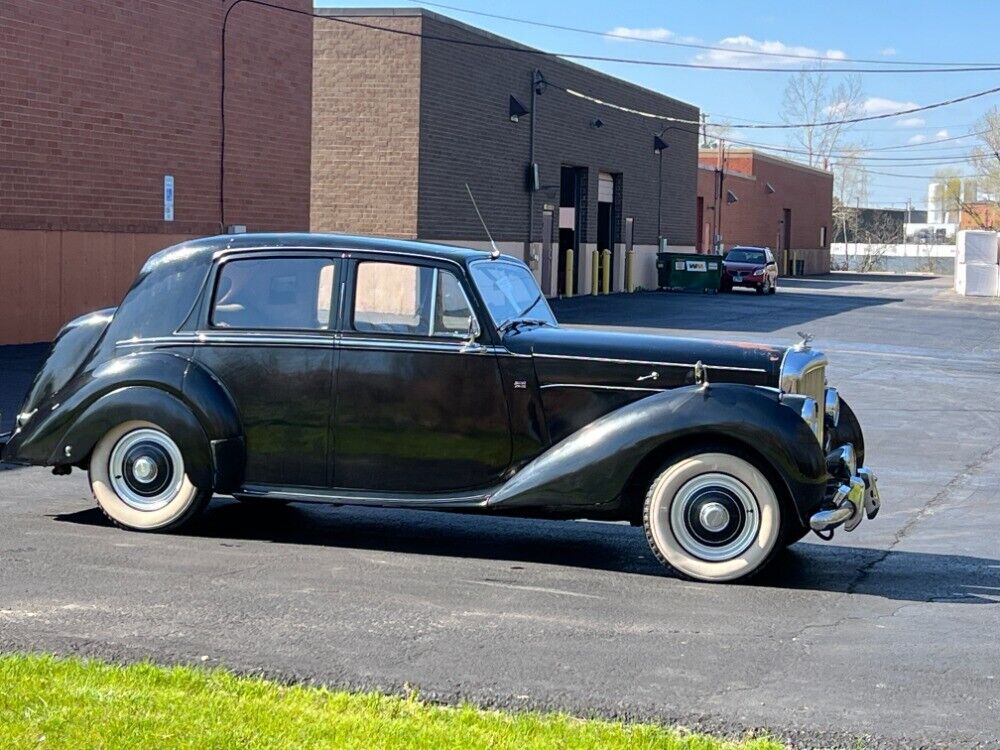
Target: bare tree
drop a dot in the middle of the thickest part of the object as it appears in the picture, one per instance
(984, 209)
(850, 190)
(811, 98)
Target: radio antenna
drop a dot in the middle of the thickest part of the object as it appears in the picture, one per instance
(496, 251)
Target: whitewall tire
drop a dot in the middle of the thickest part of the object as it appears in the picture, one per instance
(713, 517)
(138, 478)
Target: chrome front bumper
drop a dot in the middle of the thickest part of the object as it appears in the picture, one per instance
(855, 497)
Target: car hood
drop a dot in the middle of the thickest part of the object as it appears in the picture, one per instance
(741, 267)
(601, 357)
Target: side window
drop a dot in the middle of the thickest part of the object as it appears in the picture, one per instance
(275, 294)
(409, 300)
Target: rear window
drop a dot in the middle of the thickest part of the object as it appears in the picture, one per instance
(275, 294)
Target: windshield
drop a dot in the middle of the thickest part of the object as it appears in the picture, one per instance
(746, 256)
(510, 292)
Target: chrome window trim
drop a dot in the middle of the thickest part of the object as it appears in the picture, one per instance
(510, 261)
(612, 360)
(209, 338)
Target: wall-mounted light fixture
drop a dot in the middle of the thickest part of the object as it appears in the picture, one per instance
(768, 188)
(597, 123)
(659, 145)
(731, 197)
(516, 109)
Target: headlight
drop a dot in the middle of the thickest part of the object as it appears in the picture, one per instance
(832, 406)
(758, 271)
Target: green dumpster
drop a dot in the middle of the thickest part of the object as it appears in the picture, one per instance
(700, 273)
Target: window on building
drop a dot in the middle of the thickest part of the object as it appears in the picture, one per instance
(822, 236)
(410, 300)
(275, 294)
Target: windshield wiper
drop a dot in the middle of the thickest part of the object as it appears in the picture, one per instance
(514, 323)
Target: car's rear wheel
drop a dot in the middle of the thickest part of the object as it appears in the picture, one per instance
(713, 517)
(138, 478)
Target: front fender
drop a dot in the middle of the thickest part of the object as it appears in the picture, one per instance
(592, 466)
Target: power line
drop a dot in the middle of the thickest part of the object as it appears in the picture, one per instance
(930, 159)
(623, 60)
(692, 45)
(781, 126)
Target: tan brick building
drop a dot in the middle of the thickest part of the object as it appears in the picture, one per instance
(99, 102)
(410, 106)
(780, 204)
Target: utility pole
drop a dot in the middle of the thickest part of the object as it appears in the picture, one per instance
(704, 130)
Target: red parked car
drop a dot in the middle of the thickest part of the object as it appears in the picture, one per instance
(752, 267)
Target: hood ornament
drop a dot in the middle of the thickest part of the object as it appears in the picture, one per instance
(803, 345)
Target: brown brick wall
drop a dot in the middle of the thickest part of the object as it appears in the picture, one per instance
(101, 99)
(754, 219)
(366, 127)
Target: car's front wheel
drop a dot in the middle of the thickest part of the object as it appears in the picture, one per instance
(138, 478)
(713, 516)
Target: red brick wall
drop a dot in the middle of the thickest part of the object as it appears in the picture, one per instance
(755, 218)
(100, 99)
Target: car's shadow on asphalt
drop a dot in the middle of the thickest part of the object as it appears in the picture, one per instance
(904, 576)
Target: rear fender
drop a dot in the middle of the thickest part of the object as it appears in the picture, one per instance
(593, 466)
(148, 386)
(149, 405)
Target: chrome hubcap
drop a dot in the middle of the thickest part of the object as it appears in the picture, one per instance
(146, 469)
(715, 517)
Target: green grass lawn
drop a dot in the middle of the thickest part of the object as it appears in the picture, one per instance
(48, 702)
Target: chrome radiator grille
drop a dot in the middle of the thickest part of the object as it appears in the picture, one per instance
(803, 372)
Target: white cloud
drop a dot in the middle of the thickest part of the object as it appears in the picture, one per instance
(738, 46)
(876, 105)
(911, 122)
(917, 139)
(627, 34)
(888, 51)
(941, 134)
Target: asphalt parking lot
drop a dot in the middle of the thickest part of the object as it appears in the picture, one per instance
(889, 636)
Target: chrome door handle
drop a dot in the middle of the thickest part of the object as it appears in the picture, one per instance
(654, 375)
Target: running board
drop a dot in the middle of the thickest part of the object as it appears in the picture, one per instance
(377, 499)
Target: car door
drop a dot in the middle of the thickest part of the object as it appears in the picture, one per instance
(268, 336)
(420, 406)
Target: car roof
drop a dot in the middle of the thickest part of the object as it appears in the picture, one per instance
(748, 247)
(206, 247)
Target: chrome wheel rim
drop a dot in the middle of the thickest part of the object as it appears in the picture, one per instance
(146, 469)
(715, 517)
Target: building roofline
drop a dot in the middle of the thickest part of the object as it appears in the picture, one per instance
(771, 158)
(417, 12)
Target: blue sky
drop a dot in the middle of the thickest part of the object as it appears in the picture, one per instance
(878, 29)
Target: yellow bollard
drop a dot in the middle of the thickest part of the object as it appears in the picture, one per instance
(629, 263)
(606, 271)
(595, 270)
(569, 272)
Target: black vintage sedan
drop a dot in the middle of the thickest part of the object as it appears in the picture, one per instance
(353, 370)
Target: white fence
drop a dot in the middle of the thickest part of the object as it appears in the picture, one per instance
(899, 258)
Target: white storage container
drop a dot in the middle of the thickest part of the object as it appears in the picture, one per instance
(977, 279)
(976, 246)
